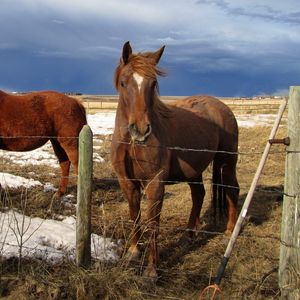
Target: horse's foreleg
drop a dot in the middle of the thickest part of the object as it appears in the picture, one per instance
(198, 193)
(133, 195)
(155, 194)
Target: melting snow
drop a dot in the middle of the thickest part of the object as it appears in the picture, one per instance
(48, 239)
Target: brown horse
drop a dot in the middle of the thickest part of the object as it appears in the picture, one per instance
(149, 142)
(28, 121)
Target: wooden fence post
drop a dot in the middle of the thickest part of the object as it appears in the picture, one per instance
(84, 192)
(289, 265)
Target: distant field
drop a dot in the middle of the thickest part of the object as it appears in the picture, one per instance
(94, 103)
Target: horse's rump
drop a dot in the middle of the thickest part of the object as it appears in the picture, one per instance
(219, 114)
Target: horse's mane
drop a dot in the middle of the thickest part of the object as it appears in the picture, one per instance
(144, 65)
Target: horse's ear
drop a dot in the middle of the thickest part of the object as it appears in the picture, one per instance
(127, 51)
(157, 55)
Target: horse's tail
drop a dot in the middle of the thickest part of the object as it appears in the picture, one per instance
(82, 111)
(218, 191)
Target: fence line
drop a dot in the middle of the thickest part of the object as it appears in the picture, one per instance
(163, 226)
(176, 148)
(37, 137)
(169, 148)
(208, 180)
(142, 225)
(95, 103)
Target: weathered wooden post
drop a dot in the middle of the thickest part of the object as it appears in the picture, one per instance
(289, 268)
(84, 193)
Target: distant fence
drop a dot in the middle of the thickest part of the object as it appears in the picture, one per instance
(95, 103)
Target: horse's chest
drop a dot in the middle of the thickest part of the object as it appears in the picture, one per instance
(145, 162)
(138, 161)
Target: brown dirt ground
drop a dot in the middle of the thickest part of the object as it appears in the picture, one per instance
(186, 266)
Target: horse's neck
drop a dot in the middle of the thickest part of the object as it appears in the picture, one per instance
(2, 94)
(161, 112)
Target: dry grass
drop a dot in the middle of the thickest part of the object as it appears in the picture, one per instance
(186, 266)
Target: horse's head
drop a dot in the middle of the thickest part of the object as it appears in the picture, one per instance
(136, 82)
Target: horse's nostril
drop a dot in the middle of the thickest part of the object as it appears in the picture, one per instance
(137, 134)
(133, 131)
(148, 130)
(132, 128)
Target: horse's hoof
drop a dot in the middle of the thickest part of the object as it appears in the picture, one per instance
(150, 275)
(228, 232)
(132, 255)
(58, 194)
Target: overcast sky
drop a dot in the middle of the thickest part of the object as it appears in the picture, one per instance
(216, 47)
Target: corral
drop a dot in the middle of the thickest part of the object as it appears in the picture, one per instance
(187, 266)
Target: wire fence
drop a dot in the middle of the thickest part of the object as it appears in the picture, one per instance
(176, 148)
(172, 148)
(207, 180)
(275, 190)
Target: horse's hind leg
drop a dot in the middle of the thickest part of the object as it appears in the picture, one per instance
(232, 195)
(64, 163)
(198, 193)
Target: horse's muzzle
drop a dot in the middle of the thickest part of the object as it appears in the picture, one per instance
(138, 135)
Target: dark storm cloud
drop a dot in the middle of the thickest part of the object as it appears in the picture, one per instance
(218, 47)
(258, 11)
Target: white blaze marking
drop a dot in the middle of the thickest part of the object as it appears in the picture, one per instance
(138, 79)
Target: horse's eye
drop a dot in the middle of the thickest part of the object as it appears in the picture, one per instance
(123, 84)
(154, 83)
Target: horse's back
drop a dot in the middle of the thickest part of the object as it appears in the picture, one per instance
(44, 106)
(43, 114)
(218, 111)
(212, 108)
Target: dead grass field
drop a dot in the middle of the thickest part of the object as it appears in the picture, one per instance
(186, 266)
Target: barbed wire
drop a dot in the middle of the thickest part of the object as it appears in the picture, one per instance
(181, 149)
(71, 251)
(174, 148)
(170, 182)
(66, 251)
(140, 267)
(37, 137)
(205, 232)
(181, 229)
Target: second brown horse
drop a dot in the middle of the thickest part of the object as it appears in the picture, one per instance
(28, 121)
(150, 141)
